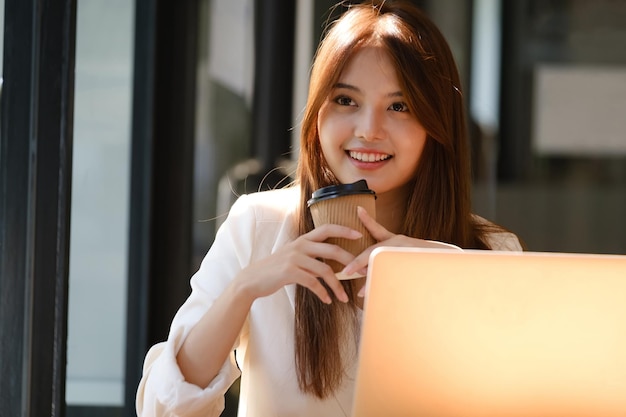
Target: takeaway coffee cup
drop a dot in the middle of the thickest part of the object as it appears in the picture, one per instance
(337, 204)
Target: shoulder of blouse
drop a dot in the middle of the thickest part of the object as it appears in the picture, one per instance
(270, 205)
(258, 220)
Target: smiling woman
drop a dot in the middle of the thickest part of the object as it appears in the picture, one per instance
(384, 105)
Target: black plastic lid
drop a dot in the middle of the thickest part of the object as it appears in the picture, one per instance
(332, 191)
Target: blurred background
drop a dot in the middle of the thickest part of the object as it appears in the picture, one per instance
(179, 108)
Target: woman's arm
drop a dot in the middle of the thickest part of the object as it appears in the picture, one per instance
(298, 262)
(224, 320)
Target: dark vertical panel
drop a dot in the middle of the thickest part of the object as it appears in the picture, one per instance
(174, 116)
(35, 180)
(273, 81)
(140, 214)
(515, 97)
(162, 175)
(14, 211)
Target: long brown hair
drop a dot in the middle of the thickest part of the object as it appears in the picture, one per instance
(430, 83)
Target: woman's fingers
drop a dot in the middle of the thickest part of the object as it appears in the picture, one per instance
(317, 270)
(335, 285)
(377, 231)
(320, 234)
(362, 291)
(301, 262)
(359, 264)
(310, 250)
(338, 254)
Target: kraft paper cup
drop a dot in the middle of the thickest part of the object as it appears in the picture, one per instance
(337, 204)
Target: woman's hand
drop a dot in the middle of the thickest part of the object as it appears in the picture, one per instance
(299, 262)
(384, 238)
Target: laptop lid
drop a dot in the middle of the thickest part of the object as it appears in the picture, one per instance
(484, 333)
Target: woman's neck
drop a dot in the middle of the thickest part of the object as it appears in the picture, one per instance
(391, 209)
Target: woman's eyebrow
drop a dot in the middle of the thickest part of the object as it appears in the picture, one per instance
(356, 89)
(346, 86)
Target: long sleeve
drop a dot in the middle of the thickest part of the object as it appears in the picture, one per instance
(163, 390)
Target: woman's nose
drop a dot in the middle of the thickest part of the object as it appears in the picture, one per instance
(369, 125)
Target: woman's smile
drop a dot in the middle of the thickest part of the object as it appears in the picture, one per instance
(365, 156)
(367, 160)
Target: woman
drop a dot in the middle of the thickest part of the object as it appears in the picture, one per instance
(385, 105)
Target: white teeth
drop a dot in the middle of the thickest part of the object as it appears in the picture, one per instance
(368, 157)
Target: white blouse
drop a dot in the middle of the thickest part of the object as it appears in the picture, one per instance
(257, 225)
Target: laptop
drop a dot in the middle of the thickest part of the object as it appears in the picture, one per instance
(482, 333)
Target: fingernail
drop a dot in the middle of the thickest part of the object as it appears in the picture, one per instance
(343, 297)
(361, 293)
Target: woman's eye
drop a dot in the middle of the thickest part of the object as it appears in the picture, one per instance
(400, 107)
(344, 101)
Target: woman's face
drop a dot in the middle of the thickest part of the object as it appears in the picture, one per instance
(365, 127)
